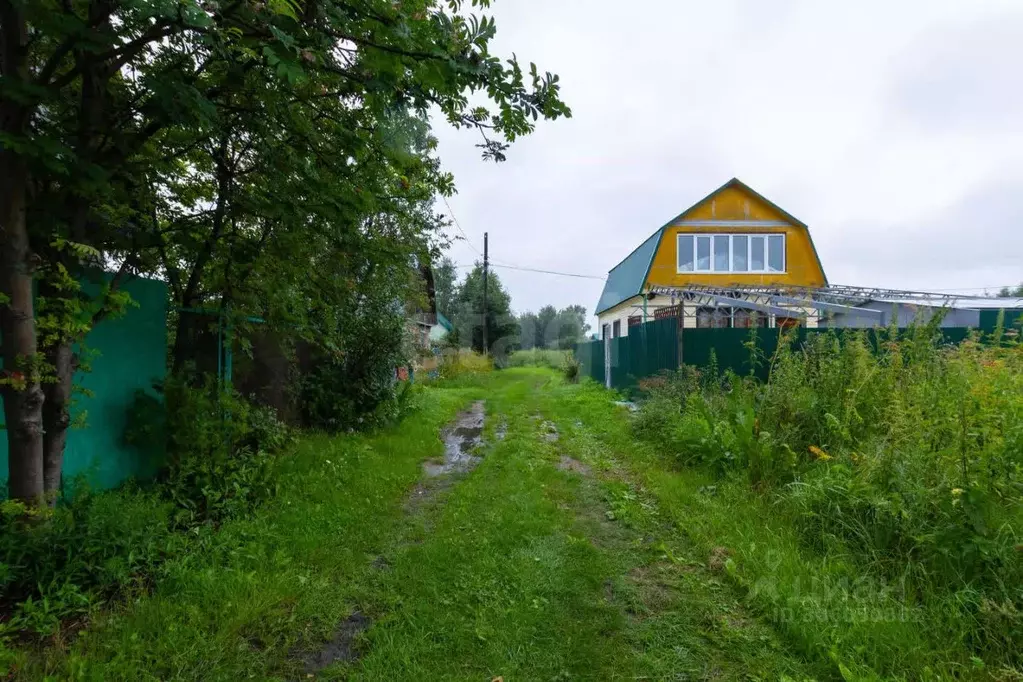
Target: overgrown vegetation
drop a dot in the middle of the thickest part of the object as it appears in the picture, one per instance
(58, 565)
(561, 360)
(461, 363)
(554, 359)
(272, 162)
(892, 453)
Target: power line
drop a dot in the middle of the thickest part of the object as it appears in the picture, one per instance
(454, 219)
(494, 264)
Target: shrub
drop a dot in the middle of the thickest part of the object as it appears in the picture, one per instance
(571, 368)
(353, 385)
(70, 559)
(220, 449)
(463, 362)
(58, 564)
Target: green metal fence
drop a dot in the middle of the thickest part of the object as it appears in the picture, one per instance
(648, 349)
(732, 349)
(590, 355)
(655, 346)
(128, 354)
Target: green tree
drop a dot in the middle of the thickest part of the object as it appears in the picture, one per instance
(1008, 292)
(445, 280)
(572, 326)
(192, 140)
(546, 327)
(502, 327)
(528, 330)
(552, 328)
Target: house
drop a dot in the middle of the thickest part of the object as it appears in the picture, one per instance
(976, 312)
(440, 330)
(733, 238)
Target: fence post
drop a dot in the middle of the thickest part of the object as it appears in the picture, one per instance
(681, 329)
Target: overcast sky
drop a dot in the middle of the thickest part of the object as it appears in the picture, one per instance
(893, 129)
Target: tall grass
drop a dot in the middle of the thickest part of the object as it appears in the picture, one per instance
(897, 453)
(539, 357)
(461, 363)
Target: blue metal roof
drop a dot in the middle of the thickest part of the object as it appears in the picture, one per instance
(628, 277)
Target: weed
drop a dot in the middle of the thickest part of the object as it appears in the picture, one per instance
(463, 364)
(900, 452)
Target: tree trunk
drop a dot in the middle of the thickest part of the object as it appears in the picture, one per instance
(187, 322)
(57, 415)
(182, 352)
(22, 394)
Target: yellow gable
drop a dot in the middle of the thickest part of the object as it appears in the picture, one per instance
(752, 242)
(733, 202)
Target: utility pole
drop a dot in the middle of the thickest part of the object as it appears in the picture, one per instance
(486, 268)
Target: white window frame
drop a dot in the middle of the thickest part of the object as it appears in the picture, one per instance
(731, 252)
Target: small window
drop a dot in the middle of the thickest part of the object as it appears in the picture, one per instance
(685, 253)
(721, 253)
(756, 260)
(616, 329)
(740, 249)
(710, 317)
(703, 253)
(776, 253)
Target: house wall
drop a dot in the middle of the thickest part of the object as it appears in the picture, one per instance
(634, 306)
(626, 309)
(734, 204)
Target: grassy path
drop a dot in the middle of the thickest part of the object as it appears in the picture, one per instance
(549, 561)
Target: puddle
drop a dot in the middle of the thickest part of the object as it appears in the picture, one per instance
(566, 463)
(342, 647)
(550, 432)
(461, 438)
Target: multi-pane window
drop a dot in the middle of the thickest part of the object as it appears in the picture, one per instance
(756, 253)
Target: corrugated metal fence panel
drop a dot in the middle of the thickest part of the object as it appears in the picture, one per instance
(130, 355)
(648, 349)
(661, 347)
(590, 355)
(729, 349)
(989, 319)
(653, 347)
